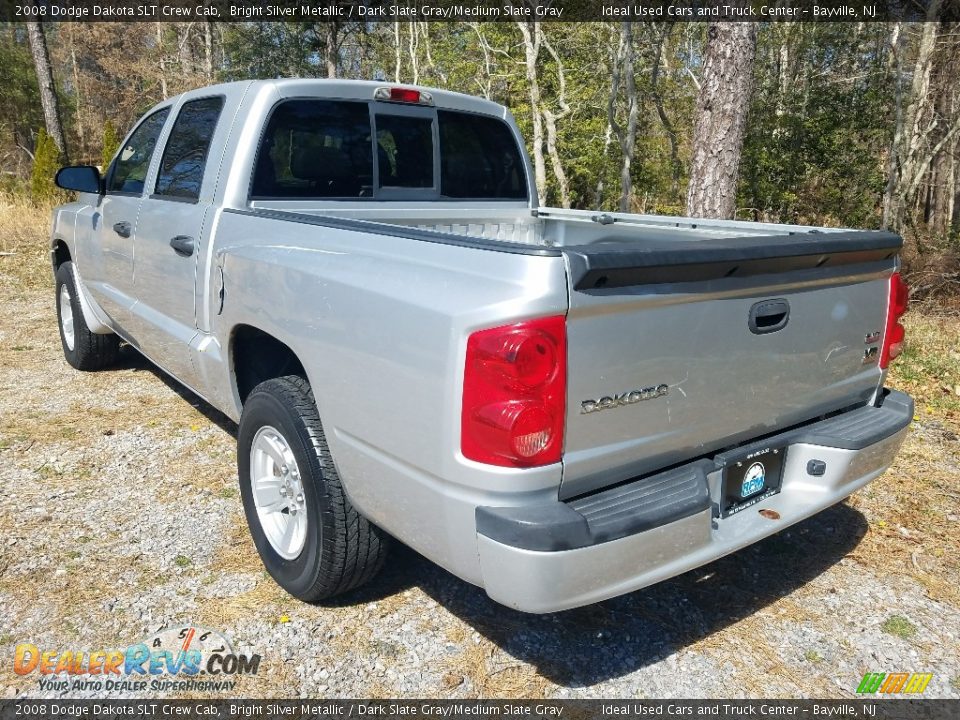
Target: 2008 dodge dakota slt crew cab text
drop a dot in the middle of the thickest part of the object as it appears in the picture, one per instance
(559, 406)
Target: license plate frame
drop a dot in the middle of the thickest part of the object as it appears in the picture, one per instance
(751, 479)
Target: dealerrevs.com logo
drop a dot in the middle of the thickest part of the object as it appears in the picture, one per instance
(181, 658)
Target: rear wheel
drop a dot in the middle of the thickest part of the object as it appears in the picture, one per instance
(83, 349)
(310, 538)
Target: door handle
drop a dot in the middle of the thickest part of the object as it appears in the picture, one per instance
(183, 245)
(769, 316)
(122, 229)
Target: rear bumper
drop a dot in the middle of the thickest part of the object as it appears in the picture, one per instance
(543, 558)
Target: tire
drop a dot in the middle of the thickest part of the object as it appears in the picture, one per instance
(83, 349)
(336, 549)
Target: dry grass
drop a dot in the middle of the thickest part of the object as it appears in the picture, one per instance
(913, 514)
(929, 368)
(24, 244)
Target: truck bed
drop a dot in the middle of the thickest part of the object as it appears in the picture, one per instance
(659, 302)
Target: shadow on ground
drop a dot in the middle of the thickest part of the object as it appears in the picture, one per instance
(130, 359)
(582, 647)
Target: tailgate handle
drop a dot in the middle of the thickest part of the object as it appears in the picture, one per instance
(769, 316)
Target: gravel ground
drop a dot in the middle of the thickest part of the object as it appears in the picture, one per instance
(119, 514)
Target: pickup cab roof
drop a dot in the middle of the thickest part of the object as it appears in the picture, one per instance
(249, 104)
(285, 88)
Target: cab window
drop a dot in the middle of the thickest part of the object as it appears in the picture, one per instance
(315, 149)
(185, 156)
(129, 170)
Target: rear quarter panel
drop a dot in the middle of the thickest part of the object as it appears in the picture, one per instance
(380, 324)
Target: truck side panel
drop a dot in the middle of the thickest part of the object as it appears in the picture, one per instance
(380, 325)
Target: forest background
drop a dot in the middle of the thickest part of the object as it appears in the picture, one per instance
(836, 124)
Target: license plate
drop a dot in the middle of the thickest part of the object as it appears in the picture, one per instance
(751, 479)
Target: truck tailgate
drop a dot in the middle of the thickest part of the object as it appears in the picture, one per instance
(680, 349)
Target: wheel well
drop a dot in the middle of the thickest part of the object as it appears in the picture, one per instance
(258, 356)
(61, 254)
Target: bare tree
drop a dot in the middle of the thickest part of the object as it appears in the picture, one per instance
(623, 71)
(162, 62)
(551, 118)
(485, 81)
(894, 67)
(77, 90)
(48, 92)
(396, 51)
(531, 48)
(331, 47)
(208, 50)
(185, 49)
(925, 142)
(725, 87)
(676, 167)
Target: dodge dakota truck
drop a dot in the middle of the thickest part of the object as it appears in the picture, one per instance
(559, 406)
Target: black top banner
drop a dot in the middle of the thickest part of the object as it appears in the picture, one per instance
(346, 11)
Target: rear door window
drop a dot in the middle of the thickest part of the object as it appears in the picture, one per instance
(185, 156)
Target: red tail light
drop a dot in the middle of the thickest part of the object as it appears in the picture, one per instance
(896, 306)
(514, 394)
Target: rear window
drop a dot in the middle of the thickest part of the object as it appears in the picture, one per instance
(325, 149)
(479, 158)
(315, 149)
(404, 151)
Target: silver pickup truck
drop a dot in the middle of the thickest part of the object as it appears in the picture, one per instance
(559, 406)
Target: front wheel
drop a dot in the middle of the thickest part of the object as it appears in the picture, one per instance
(83, 349)
(310, 538)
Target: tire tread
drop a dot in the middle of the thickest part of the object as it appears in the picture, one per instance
(357, 550)
(91, 351)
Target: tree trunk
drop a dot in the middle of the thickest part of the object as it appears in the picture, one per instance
(412, 52)
(531, 47)
(48, 93)
(551, 118)
(598, 192)
(208, 49)
(77, 93)
(722, 107)
(916, 125)
(331, 48)
(486, 81)
(676, 167)
(894, 66)
(163, 62)
(623, 67)
(941, 172)
(396, 50)
(185, 49)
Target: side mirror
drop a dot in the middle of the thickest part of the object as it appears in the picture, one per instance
(82, 178)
